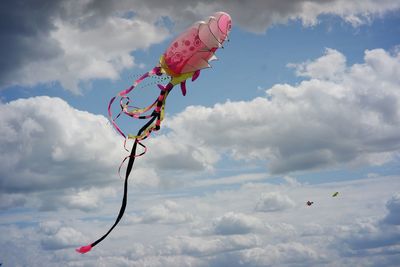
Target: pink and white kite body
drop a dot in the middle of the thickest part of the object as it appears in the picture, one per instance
(194, 48)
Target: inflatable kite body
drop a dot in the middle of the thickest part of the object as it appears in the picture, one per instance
(189, 53)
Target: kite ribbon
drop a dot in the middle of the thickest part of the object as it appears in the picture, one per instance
(142, 134)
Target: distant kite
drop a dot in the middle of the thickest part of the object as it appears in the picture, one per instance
(335, 194)
(189, 53)
(309, 203)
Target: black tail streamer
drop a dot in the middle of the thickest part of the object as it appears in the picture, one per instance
(128, 171)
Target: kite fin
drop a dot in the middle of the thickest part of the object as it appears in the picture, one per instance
(84, 249)
(195, 75)
(162, 87)
(183, 88)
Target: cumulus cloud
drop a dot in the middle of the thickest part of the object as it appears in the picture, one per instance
(182, 155)
(291, 181)
(69, 42)
(292, 253)
(101, 52)
(14, 239)
(393, 206)
(380, 238)
(274, 201)
(327, 67)
(350, 231)
(167, 213)
(74, 42)
(83, 199)
(57, 157)
(339, 115)
(47, 143)
(257, 15)
(235, 179)
(57, 236)
(199, 246)
(25, 28)
(254, 16)
(236, 224)
(371, 236)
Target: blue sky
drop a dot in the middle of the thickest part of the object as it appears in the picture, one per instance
(303, 101)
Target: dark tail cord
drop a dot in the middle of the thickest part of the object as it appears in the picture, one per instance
(128, 171)
(155, 115)
(87, 248)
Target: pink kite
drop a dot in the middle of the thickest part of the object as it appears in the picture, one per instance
(189, 53)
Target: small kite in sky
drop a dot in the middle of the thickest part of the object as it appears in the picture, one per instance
(309, 203)
(335, 194)
(189, 53)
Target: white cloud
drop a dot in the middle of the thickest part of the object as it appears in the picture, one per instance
(327, 67)
(76, 42)
(85, 200)
(258, 15)
(274, 201)
(281, 254)
(195, 246)
(57, 236)
(285, 231)
(100, 52)
(235, 224)
(393, 206)
(182, 155)
(167, 213)
(235, 179)
(57, 157)
(341, 115)
(15, 240)
(46, 143)
(371, 239)
(349, 230)
(291, 181)
(81, 44)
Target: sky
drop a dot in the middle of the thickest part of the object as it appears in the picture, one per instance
(303, 101)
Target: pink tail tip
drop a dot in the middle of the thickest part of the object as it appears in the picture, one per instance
(84, 249)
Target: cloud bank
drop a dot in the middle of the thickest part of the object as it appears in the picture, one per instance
(74, 43)
(189, 230)
(338, 115)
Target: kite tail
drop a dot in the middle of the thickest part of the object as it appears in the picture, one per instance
(132, 157)
(143, 133)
